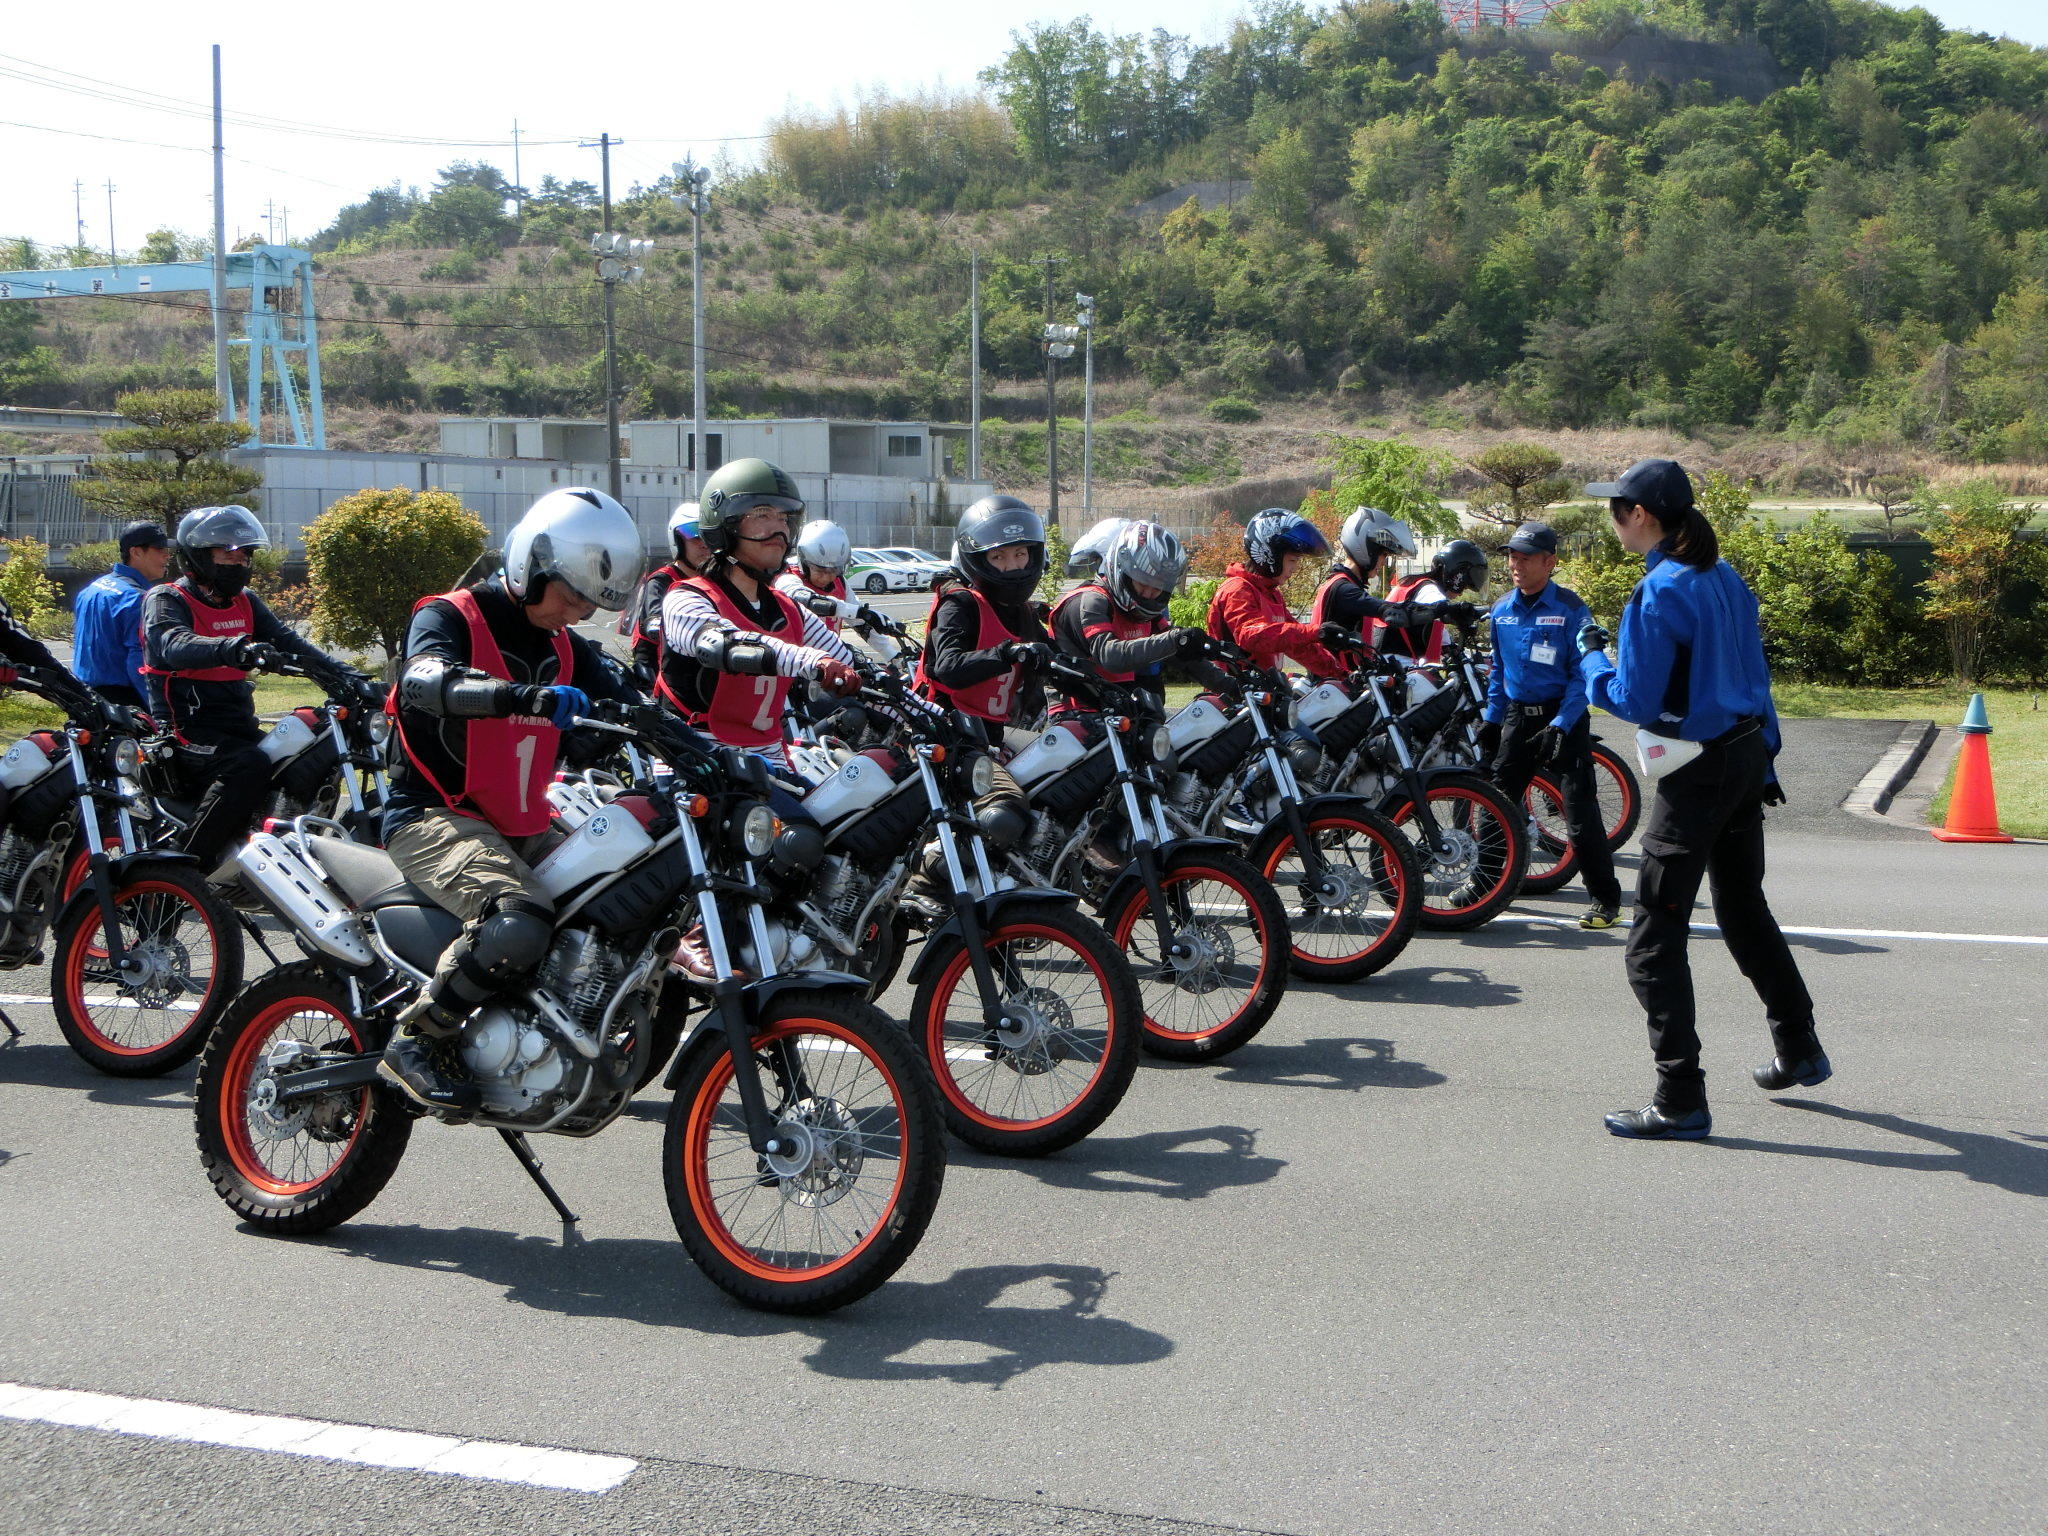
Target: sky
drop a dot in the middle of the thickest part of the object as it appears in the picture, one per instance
(668, 80)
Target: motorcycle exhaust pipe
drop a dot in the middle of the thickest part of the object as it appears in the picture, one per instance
(296, 892)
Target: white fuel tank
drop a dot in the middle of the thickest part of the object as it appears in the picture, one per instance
(1321, 704)
(25, 762)
(1058, 747)
(287, 739)
(609, 840)
(1194, 723)
(863, 780)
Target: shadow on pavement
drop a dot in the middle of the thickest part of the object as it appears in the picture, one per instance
(1440, 986)
(2000, 1161)
(58, 1066)
(1348, 1063)
(1173, 1165)
(962, 1326)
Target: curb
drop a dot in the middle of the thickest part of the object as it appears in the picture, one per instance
(1874, 794)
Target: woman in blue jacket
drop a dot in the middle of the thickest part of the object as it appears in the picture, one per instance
(1691, 674)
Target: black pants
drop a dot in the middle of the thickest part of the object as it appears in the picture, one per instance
(1708, 819)
(236, 777)
(1573, 773)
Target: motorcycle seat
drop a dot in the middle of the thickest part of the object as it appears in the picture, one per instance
(368, 877)
(418, 935)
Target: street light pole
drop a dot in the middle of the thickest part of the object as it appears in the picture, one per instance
(617, 258)
(223, 383)
(695, 177)
(974, 365)
(1085, 302)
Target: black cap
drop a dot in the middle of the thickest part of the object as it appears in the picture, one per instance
(1659, 484)
(1534, 539)
(142, 536)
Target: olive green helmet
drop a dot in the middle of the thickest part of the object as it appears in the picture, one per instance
(732, 490)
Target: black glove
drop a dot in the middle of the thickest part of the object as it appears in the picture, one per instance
(1774, 793)
(1489, 739)
(1594, 637)
(1193, 643)
(1031, 655)
(1550, 744)
(823, 607)
(878, 622)
(1464, 615)
(532, 699)
(1337, 637)
(255, 656)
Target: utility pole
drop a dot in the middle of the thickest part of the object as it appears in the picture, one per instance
(113, 251)
(611, 312)
(284, 224)
(223, 384)
(518, 185)
(1085, 304)
(1053, 342)
(270, 221)
(695, 178)
(974, 365)
(78, 212)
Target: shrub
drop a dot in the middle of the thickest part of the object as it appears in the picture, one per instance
(1190, 606)
(1233, 408)
(374, 554)
(30, 595)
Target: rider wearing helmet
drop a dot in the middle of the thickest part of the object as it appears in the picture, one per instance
(642, 620)
(816, 578)
(1084, 555)
(492, 677)
(1117, 622)
(202, 635)
(1459, 567)
(985, 640)
(1248, 610)
(731, 643)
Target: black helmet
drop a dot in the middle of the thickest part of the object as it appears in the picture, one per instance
(205, 529)
(1274, 534)
(1459, 567)
(735, 489)
(993, 523)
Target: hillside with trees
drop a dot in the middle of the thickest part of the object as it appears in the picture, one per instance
(1821, 224)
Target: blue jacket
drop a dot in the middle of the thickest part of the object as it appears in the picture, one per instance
(107, 631)
(1708, 618)
(1522, 627)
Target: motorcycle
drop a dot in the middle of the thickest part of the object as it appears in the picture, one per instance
(144, 954)
(1205, 932)
(1472, 843)
(1025, 1012)
(1347, 876)
(803, 1155)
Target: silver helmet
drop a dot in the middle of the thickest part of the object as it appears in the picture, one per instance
(824, 546)
(1369, 533)
(581, 538)
(1085, 556)
(205, 529)
(1146, 554)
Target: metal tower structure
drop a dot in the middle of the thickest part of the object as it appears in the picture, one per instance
(1468, 15)
(266, 272)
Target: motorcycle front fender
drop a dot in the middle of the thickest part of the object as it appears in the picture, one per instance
(987, 909)
(756, 996)
(1131, 880)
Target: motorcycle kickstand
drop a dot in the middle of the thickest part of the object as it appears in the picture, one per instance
(256, 933)
(516, 1140)
(12, 1032)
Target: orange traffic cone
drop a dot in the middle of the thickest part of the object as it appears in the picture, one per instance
(1972, 804)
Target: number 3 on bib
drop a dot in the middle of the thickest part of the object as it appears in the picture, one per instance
(999, 701)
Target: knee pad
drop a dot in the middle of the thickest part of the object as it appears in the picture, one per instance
(511, 940)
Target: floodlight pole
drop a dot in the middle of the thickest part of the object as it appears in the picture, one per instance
(611, 337)
(1086, 304)
(693, 178)
(223, 382)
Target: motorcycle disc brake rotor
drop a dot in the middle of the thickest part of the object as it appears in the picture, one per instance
(267, 1118)
(164, 975)
(1210, 952)
(827, 1158)
(1455, 857)
(1035, 1041)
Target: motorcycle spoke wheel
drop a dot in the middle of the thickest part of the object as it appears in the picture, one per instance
(1205, 1004)
(1375, 910)
(1621, 801)
(815, 1226)
(1552, 859)
(303, 1166)
(191, 958)
(1058, 1071)
(1471, 880)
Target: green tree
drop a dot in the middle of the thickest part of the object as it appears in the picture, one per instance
(371, 555)
(30, 595)
(1981, 565)
(185, 467)
(1402, 479)
(24, 363)
(1523, 480)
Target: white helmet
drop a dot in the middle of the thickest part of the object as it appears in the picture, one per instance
(824, 546)
(1369, 533)
(581, 538)
(682, 523)
(1145, 553)
(1085, 557)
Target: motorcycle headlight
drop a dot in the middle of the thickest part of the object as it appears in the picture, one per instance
(1162, 745)
(981, 775)
(376, 725)
(127, 757)
(754, 829)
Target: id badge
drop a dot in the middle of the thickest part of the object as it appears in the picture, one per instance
(1543, 654)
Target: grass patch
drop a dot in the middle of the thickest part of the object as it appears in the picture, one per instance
(2019, 737)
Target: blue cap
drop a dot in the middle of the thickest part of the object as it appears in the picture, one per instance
(1659, 484)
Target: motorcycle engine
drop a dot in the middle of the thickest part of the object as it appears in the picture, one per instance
(524, 1070)
(28, 886)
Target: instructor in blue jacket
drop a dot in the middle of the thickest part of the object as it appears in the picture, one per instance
(1691, 673)
(1536, 707)
(107, 618)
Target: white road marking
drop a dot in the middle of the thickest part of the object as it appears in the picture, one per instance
(493, 1460)
(11, 999)
(1536, 919)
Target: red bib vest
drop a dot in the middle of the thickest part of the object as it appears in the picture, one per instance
(1384, 638)
(835, 588)
(237, 621)
(1124, 626)
(745, 711)
(506, 764)
(988, 700)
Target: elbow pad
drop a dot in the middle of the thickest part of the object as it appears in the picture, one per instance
(432, 686)
(722, 651)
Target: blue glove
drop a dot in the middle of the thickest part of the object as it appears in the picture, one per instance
(569, 703)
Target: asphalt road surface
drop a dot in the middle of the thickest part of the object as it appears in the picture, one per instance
(1380, 1270)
